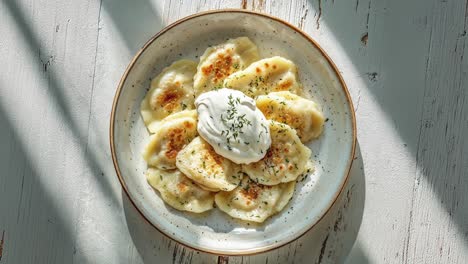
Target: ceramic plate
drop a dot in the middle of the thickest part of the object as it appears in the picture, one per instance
(216, 232)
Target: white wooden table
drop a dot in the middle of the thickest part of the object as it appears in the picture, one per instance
(406, 65)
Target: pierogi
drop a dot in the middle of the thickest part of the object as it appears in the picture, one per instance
(255, 202)
(170, 92)
(179, 191)
(220, 61)
(301, 114)
(173, 133)
(249, 162)
(285, 160)
(264, 76)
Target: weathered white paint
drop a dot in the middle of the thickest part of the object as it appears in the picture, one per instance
(406, 66)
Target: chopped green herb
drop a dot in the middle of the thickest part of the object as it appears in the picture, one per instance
(234, 121)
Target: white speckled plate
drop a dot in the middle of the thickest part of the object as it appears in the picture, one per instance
(216, 232)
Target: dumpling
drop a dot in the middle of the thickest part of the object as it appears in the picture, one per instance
(171, 91)
(255, 202)
(172, 134)
(179, 191)
(207, 189)
(220, 61)
(295, 111)
(285, 160)
(201, 163)
(265, 76)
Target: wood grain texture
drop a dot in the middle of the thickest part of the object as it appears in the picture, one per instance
(46, 89)
(439, 216)
(405, 63)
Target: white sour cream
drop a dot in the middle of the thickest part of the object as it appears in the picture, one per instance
(231, 123)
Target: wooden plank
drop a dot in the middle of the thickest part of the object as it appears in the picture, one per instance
(44, 111)
(439, 227)
(101, 228)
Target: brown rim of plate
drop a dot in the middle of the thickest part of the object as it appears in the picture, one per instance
(124, 78)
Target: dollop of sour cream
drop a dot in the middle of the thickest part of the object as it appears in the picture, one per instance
(231, 123)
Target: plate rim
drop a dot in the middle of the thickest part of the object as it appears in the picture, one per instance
(324, 54)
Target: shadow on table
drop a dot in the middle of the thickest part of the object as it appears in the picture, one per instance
(358, 255)
(329, 241)
(56, 90)
(136, 21)
(152, 245)
(334, 236)
(35, 229)
(384, 40)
